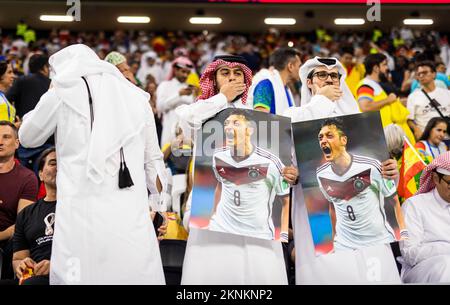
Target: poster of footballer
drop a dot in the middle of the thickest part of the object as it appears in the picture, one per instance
(238, 184)
(350, 205)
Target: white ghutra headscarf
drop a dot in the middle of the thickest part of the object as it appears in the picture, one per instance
(347, 103)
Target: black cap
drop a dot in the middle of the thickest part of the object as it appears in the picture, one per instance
(232, 58)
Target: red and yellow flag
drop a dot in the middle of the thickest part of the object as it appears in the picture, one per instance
(410, 171)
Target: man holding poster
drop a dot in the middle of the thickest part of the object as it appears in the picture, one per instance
(356, 189)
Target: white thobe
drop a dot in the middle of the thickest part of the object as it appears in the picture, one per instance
(426, 254)
(220, 258)
(103, 234)
(331, 268)
(167, 99)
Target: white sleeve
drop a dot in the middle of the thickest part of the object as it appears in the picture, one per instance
(153, 161)
(319, 107)
(411, 107)
(282, 188)
(195, 114)
(40, 123)
(413, 249)
(216, 174)
(324, 193)
(385, 186)
(167, 100)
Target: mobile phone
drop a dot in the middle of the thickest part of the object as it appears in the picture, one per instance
(158, 221)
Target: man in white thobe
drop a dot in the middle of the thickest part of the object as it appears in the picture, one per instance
(173, 93)
(426, 252)
(324, 93)
(104, 234)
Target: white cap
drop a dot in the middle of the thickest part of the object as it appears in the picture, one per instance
(443, 171)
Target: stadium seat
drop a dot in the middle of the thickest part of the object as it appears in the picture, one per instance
(172, 256)
(178, 188)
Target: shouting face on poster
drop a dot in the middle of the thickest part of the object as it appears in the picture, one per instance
(363, 208)
(250, 196)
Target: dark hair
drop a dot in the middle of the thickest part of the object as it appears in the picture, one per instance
(37, 63)
(3, 68)
(282, 56)
(336, 122)
(430, 125)
(426, 63)
(347, 49)
(243, 112)
(14, 128)
(43, 157)
(373, 60)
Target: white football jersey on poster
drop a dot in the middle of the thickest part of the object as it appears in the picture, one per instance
(248, 191)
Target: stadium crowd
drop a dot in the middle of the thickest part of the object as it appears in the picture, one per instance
(404, 74)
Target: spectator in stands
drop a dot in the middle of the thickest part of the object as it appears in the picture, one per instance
(7, 77)
(19, 188)
(27, 90)
(372, 97)
(25, 94)
(324, 91)
(103, 174)
(422, 103)
(225, 83)
(150, 65)
(173, 93)
(426, 253)
(151, 89)
(177, 154)
(355, 70)
(120, 62)
(269, 91)
(431, 144)
(440, 80)
(34, 229)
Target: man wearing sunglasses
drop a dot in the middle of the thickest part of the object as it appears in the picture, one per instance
(426, 252)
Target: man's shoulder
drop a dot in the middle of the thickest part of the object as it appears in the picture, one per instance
(221, 150)
(324, 168)
(269, 156)
(367, 161)
(419, 201)
(24, 172)
(442, 91)
(29, 209)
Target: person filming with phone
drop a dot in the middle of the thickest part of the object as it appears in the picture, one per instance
(173, 93)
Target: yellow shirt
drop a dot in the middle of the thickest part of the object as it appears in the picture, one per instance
(394, 113)
(7, 110)
(354, 77)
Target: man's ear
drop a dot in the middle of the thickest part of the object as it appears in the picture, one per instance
(376, 68)
(344, 140)
(40, 175)
(435, 178)
(309, 84)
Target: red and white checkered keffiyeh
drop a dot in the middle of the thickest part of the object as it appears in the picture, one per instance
(207, 79)
(182, 62)
(426, 181)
